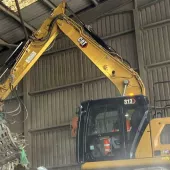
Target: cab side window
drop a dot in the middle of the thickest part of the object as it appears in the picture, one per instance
(165, 135)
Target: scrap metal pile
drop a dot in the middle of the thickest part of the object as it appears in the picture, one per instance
(11, 149)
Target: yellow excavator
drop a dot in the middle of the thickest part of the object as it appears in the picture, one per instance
(112, 133)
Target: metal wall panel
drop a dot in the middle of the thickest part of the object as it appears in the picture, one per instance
(99, 89)
(54, 108)
(157, 12)
(156, 44)
(155, 40)
(52, 70)
(162, 91)
(113, 23)
(53, 148)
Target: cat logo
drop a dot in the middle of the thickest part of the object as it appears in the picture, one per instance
(83, 42)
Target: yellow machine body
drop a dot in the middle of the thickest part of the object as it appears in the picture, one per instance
(149, 144)
(113, 68)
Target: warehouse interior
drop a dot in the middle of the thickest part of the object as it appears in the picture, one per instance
(63, 77)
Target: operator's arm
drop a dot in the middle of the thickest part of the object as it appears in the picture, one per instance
(114, 69)
(31, 52)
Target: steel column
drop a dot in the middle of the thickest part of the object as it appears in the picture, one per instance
(141, 64)
(27, 123)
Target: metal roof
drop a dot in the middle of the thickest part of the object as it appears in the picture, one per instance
(11, 30)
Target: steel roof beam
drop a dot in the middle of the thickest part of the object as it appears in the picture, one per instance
(12, 14)
(49, 4)
(6, 44)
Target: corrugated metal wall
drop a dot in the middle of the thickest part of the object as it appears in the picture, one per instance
(155, 28)
(63, 78)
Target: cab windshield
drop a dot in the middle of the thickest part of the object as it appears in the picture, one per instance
(111, 128)
(107, 128)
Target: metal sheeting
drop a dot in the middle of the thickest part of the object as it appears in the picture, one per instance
(162, 91)
(99, 89)
(113, 23)
(154, 13)
(62, 152)
(54, 108)
(65, 68)
(156, 44)
(156, 47)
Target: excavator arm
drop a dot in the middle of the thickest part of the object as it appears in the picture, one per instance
(31, 52)
(111, 64)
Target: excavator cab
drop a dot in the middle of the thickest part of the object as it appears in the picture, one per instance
(107, 128)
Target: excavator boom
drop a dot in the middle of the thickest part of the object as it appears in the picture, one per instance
(121, 75)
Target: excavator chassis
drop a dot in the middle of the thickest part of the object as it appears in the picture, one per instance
(157, 163)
